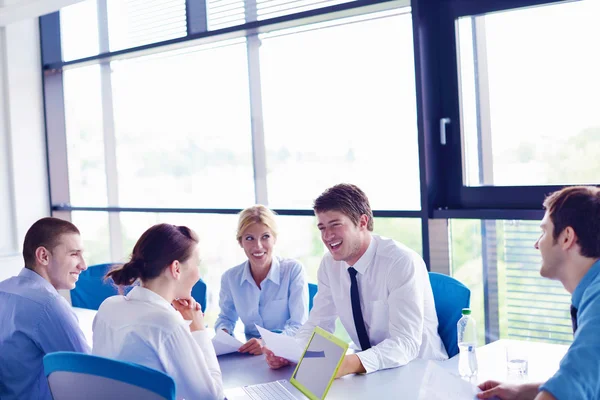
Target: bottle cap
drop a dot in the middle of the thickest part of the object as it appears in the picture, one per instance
(466, 311)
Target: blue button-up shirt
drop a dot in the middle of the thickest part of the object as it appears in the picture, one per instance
(579, 373)
(281, 304)
(34, 320)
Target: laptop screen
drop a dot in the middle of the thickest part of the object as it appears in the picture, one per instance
(319, 363)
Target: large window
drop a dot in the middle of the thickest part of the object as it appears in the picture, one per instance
(530, 95)
(456, 128)
(182, 123)
(339, 106)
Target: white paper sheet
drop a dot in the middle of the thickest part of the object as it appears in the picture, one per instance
(281, 345)
(225, 343)
(440, 384)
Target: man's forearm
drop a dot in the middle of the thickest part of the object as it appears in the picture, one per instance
(543, 395)
(351, 365)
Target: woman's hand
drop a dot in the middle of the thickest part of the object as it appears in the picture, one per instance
(190, 310)
(252, 346)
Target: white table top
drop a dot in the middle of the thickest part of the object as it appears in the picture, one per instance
(242, 369)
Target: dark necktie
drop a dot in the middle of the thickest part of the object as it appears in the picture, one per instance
(574, 318)
(359, 322)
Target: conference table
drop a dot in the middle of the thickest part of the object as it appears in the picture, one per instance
(242, 369)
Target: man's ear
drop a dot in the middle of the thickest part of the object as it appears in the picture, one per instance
(567, 238)
(42, 256)
(363, 221)
(175, 269)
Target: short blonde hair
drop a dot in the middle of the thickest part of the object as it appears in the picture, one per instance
(255, 215)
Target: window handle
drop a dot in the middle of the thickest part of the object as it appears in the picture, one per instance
(443, 123)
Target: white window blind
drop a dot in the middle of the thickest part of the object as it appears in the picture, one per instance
(224, 13)
(133, 23)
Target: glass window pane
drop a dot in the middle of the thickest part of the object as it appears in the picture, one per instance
(530, 96)
(79, 30)
(133, 23)
(95, 236)
(85, 136)
(339, 106)
(182, 122)
(523, 304)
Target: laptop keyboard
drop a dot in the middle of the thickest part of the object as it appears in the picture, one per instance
(268, 391)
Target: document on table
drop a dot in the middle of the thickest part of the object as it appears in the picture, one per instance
(224, 343)
(281, 345)
(440, 384)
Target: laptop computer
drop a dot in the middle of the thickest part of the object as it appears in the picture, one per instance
(312, 377)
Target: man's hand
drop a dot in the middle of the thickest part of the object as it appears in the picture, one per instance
(351, 364)
(505, 391)
(274, 361)
(252, 346)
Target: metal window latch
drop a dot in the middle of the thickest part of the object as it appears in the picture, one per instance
(443, 123)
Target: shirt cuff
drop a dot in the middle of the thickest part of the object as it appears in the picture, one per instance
(558, 386)
(369, 360)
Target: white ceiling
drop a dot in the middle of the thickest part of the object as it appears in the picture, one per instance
(16, 10)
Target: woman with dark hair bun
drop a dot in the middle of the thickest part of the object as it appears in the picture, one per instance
(158, 324)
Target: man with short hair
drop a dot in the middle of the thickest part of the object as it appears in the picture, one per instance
(34, 318)
(378, 288)
(570, 248)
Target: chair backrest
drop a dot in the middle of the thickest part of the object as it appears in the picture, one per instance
(450, 298)
(82, 376)
(312, 290)
(199, 293)
(91, 289)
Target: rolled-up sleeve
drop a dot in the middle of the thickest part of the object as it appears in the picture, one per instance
(297, 300)
(228, 315)
(406, 306)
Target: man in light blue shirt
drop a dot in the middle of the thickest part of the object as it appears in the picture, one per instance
(570, 250)
(34, 318)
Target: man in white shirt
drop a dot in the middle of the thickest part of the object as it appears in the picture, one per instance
(378, 288)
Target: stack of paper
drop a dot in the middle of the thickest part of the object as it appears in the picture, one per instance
(281, 345)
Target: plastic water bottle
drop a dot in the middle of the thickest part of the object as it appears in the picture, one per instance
(467, 343)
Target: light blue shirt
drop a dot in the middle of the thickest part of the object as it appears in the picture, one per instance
(281, 304)
(34, 320)
(579, 372)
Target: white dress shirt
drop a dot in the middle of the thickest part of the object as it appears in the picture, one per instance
(280, 304)
(144, 328)
(396, 302)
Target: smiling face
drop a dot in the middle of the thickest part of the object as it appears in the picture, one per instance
(553, 256)
(344, 240)
(64, 262)
(258, 241)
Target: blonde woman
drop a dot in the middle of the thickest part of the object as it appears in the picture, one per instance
(265, 290)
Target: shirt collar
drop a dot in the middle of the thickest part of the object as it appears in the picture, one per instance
(140, 293)
(584, 283)
(273, 274)
(365, 260)
(37, 278)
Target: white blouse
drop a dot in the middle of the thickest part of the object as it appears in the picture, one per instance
(144, 328)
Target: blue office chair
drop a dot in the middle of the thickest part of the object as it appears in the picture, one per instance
(82, 376)
(312, 291)
(450, 298)
(199, 293)
(91, 289)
